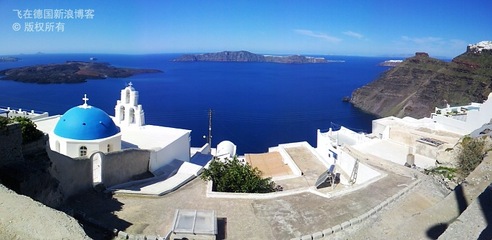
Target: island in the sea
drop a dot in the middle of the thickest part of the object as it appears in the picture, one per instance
(245, 56)
(8, 59)
(69, 72)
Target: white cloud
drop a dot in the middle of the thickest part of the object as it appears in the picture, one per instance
(458, 43)
(422, 40)
(323, 36)
(435, 46)
(353, 34)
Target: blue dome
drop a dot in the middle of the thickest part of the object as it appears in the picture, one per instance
(85, 123)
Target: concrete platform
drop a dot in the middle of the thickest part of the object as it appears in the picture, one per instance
(279, 218)
(270, 164)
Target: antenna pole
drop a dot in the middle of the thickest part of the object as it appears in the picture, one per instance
(209, 140)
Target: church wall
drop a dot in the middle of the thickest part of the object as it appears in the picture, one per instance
(122, 166)
(73, 148)
(115, 143)
(179, 149)
(74, 174)
(10, 145)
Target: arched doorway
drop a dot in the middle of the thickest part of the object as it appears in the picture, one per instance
(97, 159)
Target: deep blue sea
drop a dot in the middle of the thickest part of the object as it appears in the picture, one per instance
(255, 105)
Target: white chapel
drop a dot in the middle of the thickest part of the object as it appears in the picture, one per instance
(84, 130)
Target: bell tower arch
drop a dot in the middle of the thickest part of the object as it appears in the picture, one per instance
(127, 110)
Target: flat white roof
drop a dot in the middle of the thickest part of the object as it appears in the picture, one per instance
(144, 137)
(150, 136)
(47, 124)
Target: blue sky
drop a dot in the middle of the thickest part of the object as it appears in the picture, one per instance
(328, 27)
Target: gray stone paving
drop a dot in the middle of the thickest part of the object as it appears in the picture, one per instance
(279, 218)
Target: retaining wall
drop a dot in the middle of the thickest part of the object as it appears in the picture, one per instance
(11, 145)
(122, 166)
(36, 146)
(74, 174)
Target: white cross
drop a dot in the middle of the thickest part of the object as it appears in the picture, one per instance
(130, 84)
(85, 99)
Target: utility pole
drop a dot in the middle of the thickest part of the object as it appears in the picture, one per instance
(209, 139)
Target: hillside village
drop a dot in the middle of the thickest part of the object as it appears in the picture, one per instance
(115, 176)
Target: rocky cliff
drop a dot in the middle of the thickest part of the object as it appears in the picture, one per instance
(420, 83)
(245, 56)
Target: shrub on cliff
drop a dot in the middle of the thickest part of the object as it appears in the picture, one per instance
(3, 123)
(28, 128)
(471, 155)
(232, 175)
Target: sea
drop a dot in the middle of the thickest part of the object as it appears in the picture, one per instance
(254, 105)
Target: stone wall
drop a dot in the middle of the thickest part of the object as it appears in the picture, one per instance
(10, 145)
(74, 174)
(36, 146)
(123, 166)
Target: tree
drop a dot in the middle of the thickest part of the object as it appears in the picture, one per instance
(232, 175)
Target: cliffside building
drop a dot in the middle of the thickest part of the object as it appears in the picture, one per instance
(407, 140)
(88, 147)
(463, 119)
(84, 130)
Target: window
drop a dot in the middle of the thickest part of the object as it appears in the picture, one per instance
(127, 96)
(83, 151)
(122, 113)
(132, 115)
(109, 147)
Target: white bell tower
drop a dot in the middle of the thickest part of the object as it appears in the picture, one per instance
(127, 110)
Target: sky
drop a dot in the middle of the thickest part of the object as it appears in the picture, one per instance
(326, 27)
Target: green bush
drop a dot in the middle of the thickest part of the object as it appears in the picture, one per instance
(28, 128)
(4, 122)
(446, 172)
(232, 175)
(471, 155)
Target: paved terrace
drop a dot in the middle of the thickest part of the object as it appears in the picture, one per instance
(277, 218)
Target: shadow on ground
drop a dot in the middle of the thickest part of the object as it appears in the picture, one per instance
(485, 201)
(95, 212)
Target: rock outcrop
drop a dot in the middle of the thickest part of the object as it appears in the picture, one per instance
(69, 72)
(245, 56)
(420, 83)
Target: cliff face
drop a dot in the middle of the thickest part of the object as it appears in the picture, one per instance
(245, 56)
(420, 83)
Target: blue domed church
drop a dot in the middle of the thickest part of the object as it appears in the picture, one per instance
(83, 130)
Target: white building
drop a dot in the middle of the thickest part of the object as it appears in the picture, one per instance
(330, 146)
(84, 130)
(422, 142)
(464, 119)
(9, 112)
